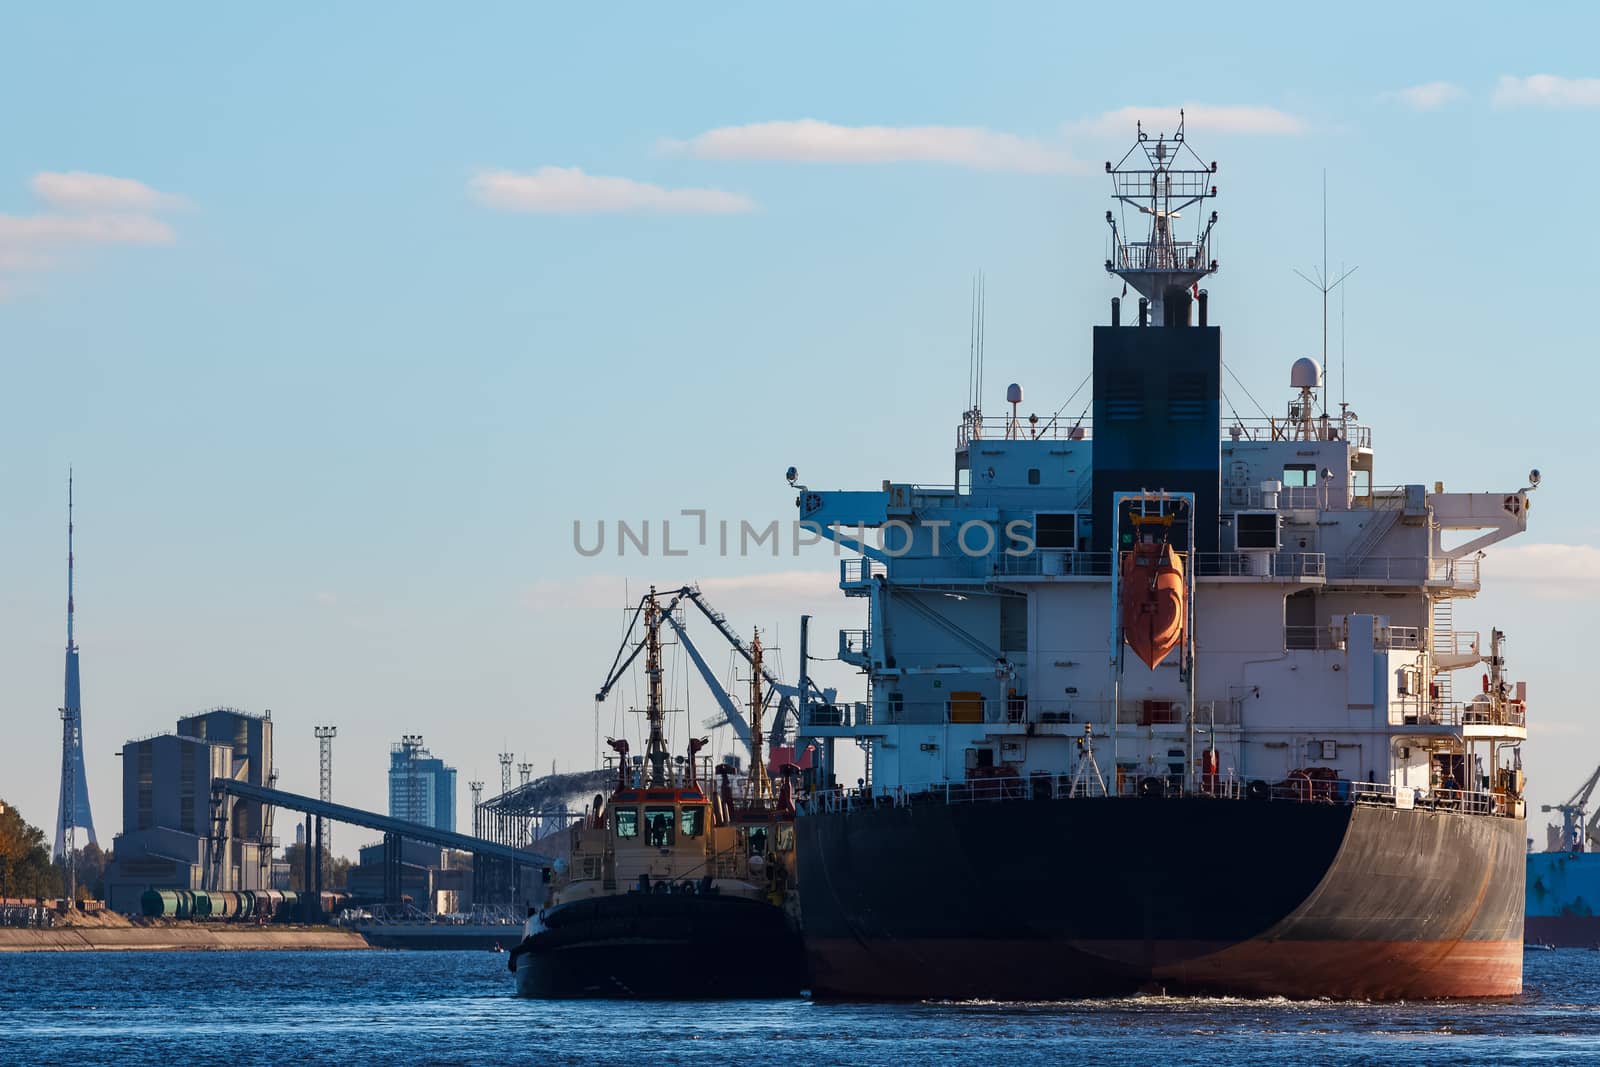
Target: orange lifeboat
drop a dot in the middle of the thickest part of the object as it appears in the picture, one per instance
(1152, 601)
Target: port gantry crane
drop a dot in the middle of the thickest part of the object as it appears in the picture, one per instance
(1576, 833)
(777, 692)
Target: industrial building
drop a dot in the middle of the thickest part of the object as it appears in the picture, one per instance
(421, 788)
(438, 880)
(166, 809)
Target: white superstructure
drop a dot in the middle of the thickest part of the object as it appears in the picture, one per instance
(1324, 639)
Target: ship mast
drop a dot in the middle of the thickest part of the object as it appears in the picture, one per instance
(1161, 179)
(656, 747)
(760, 783)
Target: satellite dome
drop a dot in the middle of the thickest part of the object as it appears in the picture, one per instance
(1305, 374)
(1013, 393)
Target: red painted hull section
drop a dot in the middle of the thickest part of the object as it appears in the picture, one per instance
(1295, 969)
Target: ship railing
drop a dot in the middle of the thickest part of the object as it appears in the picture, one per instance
(1286, 429)
(1481, 711)
(861, 570)
(1405, 637)
(1294, 565)
(1063, 562)
(1464, 572)
(1019, 709)
(635, 776)
(1162, 255)
(1330, 638)
(1410, 569)
(1298, 788)
(1054, 428)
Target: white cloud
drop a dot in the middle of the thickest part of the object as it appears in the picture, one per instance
(569, 191)
(815, 141)
(19, 231)
(1554, 572)
(82, 210)
(78, 189)
(1547, 91)
(1206, 118)
(1429, 96)
(327, 600)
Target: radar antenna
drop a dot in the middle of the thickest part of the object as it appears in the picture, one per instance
(1161, 178)
(1322, 285)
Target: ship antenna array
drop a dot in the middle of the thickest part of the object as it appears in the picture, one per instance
(1322, 285)
(975, 347)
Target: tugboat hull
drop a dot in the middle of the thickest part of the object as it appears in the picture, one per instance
(1055, 899)
(661, 946)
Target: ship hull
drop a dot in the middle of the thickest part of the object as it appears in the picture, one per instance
(661, 946)
(1053, 899)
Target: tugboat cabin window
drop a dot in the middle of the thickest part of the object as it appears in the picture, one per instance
(627, 821)
(756, 844)
(784, 838)
(658, 827)
(1299, 475)
(693, 823)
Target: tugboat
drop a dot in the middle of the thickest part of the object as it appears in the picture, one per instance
(669, 891)
(1291, 787)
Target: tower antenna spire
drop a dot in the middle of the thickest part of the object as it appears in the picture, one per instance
(70, 646)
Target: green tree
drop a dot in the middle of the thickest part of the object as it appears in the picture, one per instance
(335, 870)
(91, 862)
(25, 867)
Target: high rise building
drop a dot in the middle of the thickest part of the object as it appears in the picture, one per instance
(421, 788)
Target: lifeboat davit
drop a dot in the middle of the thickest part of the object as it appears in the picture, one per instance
(1152, 601)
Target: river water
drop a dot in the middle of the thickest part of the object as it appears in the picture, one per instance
(237, 1008)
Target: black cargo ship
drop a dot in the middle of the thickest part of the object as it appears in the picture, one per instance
(1304, 789)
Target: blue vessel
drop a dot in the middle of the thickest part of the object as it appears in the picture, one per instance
(1563, 891)
(1563, 897)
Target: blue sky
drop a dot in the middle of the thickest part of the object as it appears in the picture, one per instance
(339, 362)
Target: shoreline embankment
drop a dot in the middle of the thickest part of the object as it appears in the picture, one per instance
(184, 938)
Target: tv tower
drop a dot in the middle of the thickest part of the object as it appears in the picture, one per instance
(73, 811)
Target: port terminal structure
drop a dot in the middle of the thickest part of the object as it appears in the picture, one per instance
(525, 886)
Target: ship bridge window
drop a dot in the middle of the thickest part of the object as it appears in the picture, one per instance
(783, 838)
(693, 821)
(626, 821)
(658, 827)
(1055, 531)
(1299, 475)
(1360, 482)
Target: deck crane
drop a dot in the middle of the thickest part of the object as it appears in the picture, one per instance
(1576, 833)
(777, 692)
